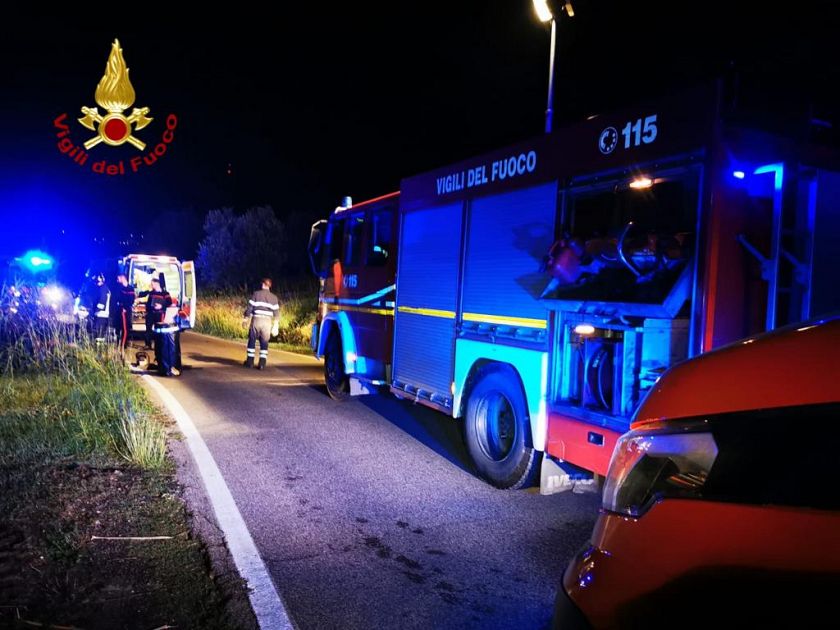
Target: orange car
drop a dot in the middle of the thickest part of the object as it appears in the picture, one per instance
(722, 503)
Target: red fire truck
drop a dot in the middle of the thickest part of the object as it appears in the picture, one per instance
(538, 292)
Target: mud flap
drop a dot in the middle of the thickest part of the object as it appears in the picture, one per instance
(559, 476)
(359, 387)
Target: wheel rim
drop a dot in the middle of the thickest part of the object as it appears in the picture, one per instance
(496, 426)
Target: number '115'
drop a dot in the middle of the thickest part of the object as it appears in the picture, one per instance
(640, 131)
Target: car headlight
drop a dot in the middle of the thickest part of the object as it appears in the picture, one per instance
(648, 465)
(54, 295)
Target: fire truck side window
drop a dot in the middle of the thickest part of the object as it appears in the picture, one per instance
(380, 238)
(336, 241)
(353, 238)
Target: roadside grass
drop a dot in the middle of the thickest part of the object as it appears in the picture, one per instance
(101, 547)
(61, 396)
(221, 315)
(83, 469)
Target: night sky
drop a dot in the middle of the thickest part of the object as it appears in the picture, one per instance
(300, 110)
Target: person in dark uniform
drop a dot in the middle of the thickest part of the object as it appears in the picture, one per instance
(156, 304)
(124, 297)
(98, 304)
(264, 310)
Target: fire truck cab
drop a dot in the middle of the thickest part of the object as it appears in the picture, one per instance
(539, 291)
(354, 254)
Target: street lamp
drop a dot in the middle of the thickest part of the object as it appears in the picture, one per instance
(545, 14)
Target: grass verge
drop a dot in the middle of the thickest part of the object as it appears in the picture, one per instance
(221, 315)
(93, 530)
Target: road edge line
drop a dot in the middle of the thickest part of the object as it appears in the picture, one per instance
(266, 601)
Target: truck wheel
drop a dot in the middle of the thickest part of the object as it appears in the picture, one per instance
(338, 386)
(498, 431)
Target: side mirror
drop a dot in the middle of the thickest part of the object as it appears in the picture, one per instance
(316, 248)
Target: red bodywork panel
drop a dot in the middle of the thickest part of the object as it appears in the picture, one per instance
(569, 440)
(757, 373)
(632, 558)
(680, 547)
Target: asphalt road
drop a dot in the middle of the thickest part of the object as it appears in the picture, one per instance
(365, 512)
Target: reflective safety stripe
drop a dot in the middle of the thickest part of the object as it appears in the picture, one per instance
(264, 304)
(263, 353)
(263, 314)
(362, 309)
(251, 352)
(503, 320)
(363, 300)
(431, 312)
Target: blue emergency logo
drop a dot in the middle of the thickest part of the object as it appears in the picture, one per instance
(608, 140)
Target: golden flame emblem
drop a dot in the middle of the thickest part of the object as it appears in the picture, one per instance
(115, 94)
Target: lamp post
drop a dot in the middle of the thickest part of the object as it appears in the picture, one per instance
(545, 14)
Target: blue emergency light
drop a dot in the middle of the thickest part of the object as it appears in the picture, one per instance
(36, 261)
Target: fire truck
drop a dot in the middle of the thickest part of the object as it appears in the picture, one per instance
(538, 292)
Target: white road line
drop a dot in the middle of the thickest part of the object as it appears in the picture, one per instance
(265, 600)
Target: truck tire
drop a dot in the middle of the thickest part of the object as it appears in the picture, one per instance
(338, 385)
(497, 430)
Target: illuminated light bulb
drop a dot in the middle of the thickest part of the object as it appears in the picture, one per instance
(543, 12)
(641, 182)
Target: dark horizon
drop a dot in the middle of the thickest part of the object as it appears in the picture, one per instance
(300, 112)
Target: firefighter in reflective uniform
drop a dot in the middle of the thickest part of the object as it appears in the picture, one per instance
(264, 310)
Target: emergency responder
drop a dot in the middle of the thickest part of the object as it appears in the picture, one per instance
(124, 297)
(99, 308)
(156, 304)
(264, 310)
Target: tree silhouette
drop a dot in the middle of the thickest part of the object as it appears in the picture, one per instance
(238, 250)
